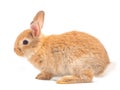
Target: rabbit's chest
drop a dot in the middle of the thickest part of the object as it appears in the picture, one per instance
(28, 54)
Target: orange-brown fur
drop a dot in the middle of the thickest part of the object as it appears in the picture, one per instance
(76, 56)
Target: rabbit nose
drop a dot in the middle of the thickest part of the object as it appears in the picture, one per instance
(18, 51)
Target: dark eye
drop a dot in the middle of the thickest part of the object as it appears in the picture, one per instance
(25, 42)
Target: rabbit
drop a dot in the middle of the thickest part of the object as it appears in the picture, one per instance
(76, 57)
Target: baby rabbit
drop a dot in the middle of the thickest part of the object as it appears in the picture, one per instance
(76, 56)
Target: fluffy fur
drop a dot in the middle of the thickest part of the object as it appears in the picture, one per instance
(76, 56)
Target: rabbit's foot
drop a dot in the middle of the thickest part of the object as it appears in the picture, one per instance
(86, 77)
(44, 76)
(67, 80)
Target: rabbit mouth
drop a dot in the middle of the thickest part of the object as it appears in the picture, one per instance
(18, 51)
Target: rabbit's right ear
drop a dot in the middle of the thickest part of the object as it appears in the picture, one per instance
(37, 23)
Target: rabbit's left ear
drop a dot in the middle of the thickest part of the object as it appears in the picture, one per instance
(37, 23)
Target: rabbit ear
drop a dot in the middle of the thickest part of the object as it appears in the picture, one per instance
(37, 23)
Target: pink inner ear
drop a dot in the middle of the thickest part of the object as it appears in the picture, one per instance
(35, 28)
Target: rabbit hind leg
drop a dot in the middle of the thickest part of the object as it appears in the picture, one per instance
(85, 76)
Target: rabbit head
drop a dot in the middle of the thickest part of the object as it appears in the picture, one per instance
(27, 42)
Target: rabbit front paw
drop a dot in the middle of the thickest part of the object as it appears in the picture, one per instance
(44, 76)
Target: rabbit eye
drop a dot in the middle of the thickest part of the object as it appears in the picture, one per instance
(25, 42)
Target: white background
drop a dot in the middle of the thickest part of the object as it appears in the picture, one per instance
(101, 18)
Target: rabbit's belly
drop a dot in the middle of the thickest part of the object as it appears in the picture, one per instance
(75, 66)
(61, 70)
